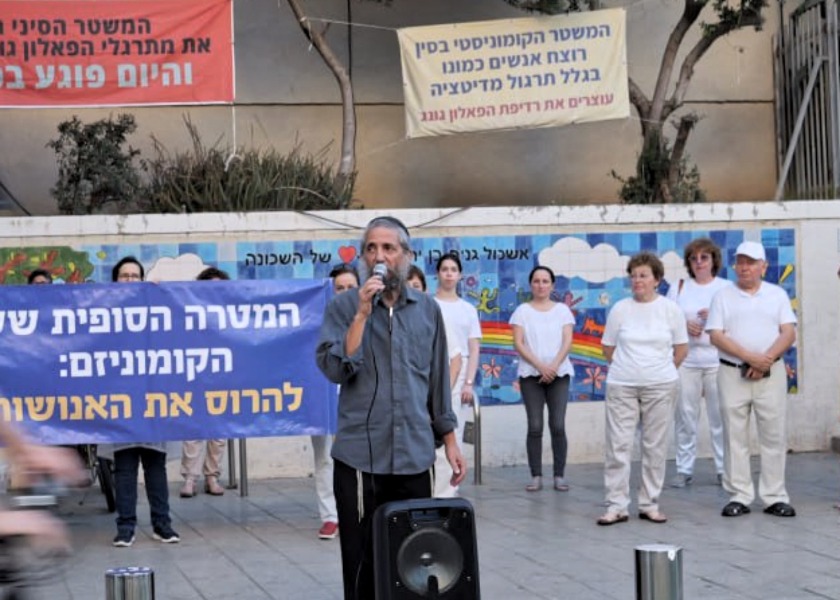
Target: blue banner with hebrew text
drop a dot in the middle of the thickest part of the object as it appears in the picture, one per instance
(141, 362)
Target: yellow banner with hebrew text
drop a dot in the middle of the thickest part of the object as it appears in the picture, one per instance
(515, 73)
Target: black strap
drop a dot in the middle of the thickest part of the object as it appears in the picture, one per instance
(729, 363)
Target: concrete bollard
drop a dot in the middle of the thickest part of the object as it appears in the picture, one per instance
(659, 572)
(130, 583)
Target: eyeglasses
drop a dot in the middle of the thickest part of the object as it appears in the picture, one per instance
(700, 258)
(129, 277)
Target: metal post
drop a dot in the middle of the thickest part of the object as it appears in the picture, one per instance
(232, 485)
(659, 572)
(243, 468)
(130, 583)
(477, 439)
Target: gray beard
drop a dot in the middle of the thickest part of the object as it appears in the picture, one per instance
(394, 280)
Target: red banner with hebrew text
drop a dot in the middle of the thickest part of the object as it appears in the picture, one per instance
(115, 52)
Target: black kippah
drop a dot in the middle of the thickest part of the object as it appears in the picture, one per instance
(393, 221)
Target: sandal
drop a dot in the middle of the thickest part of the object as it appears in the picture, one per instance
(611, 518)
(212, 487)
(188, 489)
(654, 516)
(560, 484)
(780, 509)
(535, 485)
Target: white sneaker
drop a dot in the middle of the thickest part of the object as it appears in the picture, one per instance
(681, 480)
(166, 535)
(124, 538)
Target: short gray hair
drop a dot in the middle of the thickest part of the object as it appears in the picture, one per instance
(389, 223)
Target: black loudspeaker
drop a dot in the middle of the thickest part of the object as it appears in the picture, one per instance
(425, 549)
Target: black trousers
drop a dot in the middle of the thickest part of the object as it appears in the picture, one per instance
(356, 526)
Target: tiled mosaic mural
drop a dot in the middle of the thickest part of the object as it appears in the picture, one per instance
(589, 268)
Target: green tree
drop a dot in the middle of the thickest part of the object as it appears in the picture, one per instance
(96, 173)
(662, 171)
(317, 36)
(662, 174)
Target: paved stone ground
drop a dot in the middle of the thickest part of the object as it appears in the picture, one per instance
(531, 545)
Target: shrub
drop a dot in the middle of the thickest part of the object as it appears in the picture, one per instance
(96, 174)
(212, 179)
(652, 168)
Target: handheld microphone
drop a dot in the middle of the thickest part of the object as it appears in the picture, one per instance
(379, 270)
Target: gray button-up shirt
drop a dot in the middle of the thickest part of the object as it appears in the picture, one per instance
(394, 397)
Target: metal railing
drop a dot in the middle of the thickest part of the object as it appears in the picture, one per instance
(477, 440)
(242, 483)
(808, 102)
(472, 436)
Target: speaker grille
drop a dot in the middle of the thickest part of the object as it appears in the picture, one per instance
(430, 553)
(424, 549)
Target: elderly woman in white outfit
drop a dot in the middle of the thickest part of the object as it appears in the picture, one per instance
(698, 373)
(645, 340)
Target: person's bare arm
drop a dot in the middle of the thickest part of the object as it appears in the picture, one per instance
(455, 369)
(680, 352)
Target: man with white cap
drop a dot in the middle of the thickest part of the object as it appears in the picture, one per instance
(752, 325)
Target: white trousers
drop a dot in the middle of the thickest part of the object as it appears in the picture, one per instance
(443, 470)
(697, 383)
(321, 449)
(626, 406)
(766, 399)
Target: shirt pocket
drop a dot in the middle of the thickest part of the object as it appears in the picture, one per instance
(418, 353)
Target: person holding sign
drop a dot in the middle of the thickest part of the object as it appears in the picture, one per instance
(215, 449)
(127, 459)
(39, 277)
(385, 343)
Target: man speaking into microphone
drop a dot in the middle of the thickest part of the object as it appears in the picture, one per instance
(385, 344)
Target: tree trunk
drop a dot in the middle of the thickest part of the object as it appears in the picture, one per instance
(652, 166)
(684, 128)
(347, 162)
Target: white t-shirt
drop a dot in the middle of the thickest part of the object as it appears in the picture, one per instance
(543, 335)
(460, 319)
(692, 298)
(644, 335)
(751, 320)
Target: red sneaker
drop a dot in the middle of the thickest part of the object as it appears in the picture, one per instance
(328, 530)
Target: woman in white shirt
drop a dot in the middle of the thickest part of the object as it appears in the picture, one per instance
(644, 341)
(463, 330)
(542, 335)
(698, 374)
